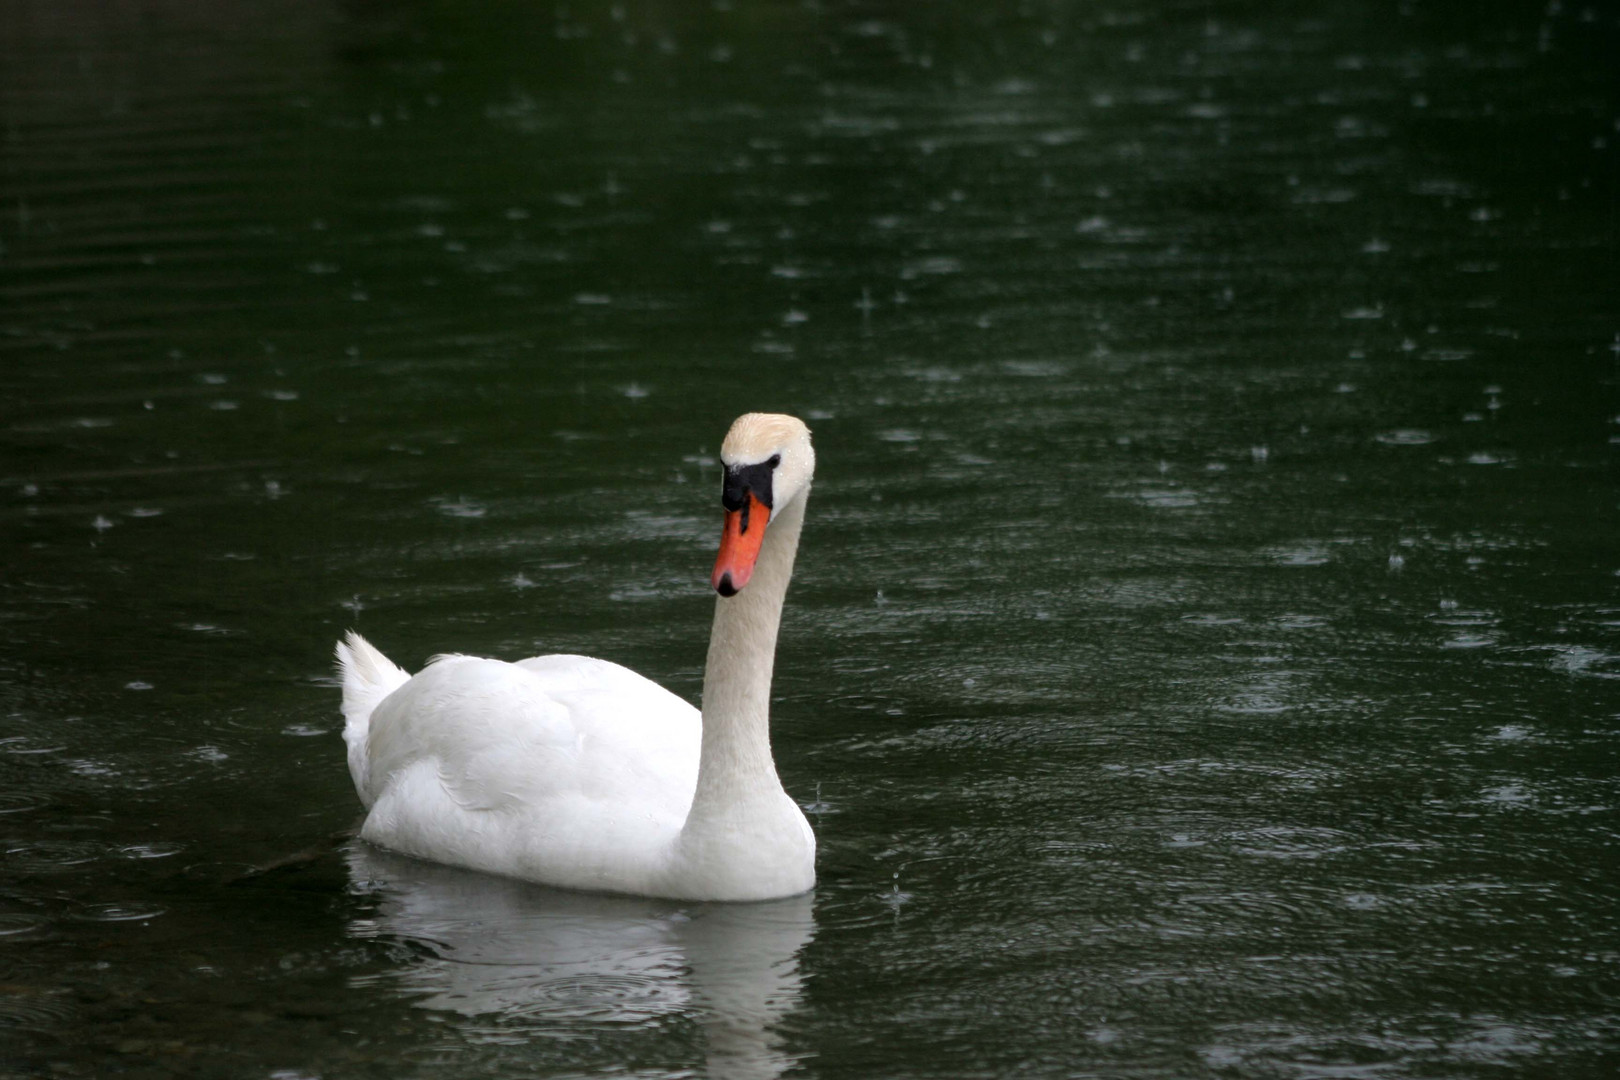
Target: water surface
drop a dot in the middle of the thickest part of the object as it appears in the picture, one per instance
(1204, 655)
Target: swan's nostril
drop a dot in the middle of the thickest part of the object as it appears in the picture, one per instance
(724, 586)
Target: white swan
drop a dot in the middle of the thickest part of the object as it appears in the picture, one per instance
(579, 773)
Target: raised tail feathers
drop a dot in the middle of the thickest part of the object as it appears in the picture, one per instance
(368, 677)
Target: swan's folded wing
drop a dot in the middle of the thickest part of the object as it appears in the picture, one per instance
(528, 734)
(491, 733)
(634, 737)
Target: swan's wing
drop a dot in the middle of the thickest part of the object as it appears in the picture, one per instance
(548, 730)
(630, 730)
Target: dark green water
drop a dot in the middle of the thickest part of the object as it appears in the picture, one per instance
(1205, 657)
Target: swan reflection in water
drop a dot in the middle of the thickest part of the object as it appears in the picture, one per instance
(539, 961)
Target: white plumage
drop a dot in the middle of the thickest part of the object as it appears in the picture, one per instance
(580, 773)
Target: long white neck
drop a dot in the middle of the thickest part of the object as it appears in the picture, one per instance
(736, 768)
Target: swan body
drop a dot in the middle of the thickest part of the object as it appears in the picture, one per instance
(580, 773)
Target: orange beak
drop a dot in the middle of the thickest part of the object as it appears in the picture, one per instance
(739, 546)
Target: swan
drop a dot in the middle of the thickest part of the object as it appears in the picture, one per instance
(579, 773)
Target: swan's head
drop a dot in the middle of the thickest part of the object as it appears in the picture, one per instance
(768, 463)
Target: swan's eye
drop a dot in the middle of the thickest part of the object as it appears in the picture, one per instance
(776, 459)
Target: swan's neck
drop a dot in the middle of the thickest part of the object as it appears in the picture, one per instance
(736, 768)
